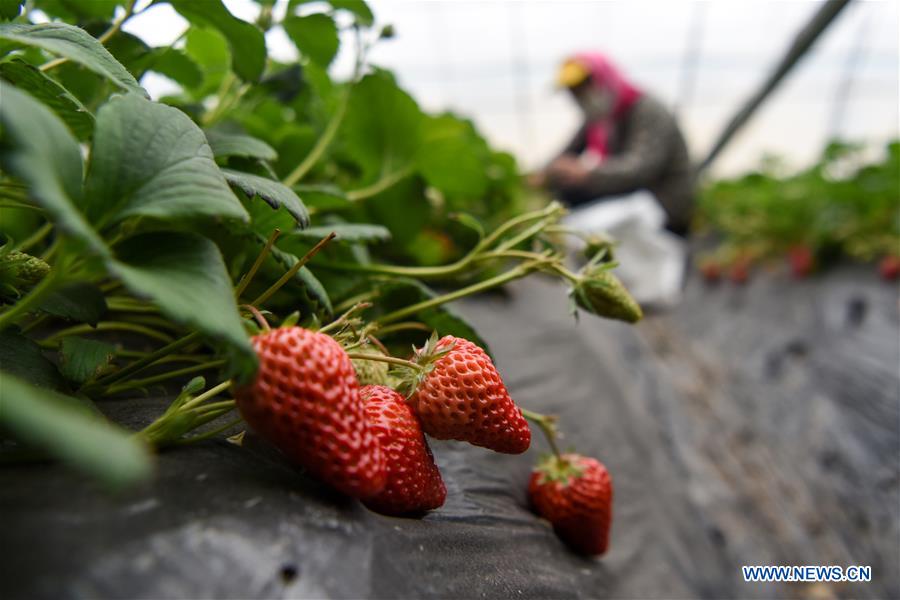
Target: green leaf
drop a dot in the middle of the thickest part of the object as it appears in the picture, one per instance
(21, 356)
(323, 196)
(75, 44)
(79, 10)
(51, 94)
(209, 49)
(82, 359)
(245, 40)
(346, 232)
(453, 158)
(185, 276)
(36, 146)
(315, 36)
(151, 160)
(81, 302)
(275, 193)
(9, 9)
(359, 8)
(383, 126)
(235, 144)
(57, 424)
(176, 65)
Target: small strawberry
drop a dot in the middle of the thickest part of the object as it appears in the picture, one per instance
(371, 372)
(889, 267)
(711, 270)
(740, 270)
(460, 396)
(801, 260)
(305, 401)
(575, 494)
(414, 483)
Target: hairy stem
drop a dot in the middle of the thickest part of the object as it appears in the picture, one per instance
(105, 326)
(139, 383)
(246, 279)
(547, 425)
(293, 270)
(515, 273)
(148, 360)
(386, 182)
(385, 359)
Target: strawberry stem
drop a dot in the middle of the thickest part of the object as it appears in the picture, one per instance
(258, 317)
(344, 317)
(139, 383)
(207, 395)
(515, 273)
(547, 424)
(293, 270)
(386, 359)
(140, 365)
(246, 279)
(404, 326)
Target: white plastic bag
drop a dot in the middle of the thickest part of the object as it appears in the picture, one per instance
(651, 259)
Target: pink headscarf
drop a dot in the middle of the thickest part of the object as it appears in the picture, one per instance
(606, 76)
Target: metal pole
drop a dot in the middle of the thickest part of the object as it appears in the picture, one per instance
(801, 44)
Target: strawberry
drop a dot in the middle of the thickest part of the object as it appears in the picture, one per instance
(575, 494)
(802, 260)
(414, 483)
(711, 270)
(740, 270)
(460, 396)
(889, 267)
(305, 400)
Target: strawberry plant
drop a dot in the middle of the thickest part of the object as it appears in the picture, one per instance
(148, 243)
(843, 206)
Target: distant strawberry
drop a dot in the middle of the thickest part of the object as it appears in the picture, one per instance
(460, 396)
(575, 494)
(739, 272)
(711, 270)
(889, 267)
(305, 401)
(802, 260)
(414, 483)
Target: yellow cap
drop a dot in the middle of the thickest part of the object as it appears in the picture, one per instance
(571, 74)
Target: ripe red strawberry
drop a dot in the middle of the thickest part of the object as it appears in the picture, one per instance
(802, 260)
(575, 494)
(460, 396)
(305, 400)
(414, 483)
(711, 270)
(889, 267)
(740, 270)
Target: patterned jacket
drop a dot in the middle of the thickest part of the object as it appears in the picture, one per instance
(647, 151)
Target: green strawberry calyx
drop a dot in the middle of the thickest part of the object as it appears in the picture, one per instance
(425, 358)
(558, 469)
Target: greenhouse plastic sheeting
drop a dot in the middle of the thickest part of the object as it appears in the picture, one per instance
(751, 425)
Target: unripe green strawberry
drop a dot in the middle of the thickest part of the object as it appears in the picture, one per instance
(600, 292)
(371, 372)
(20, 271)
(305, 400)
(575, 494)
(414, 484)
(460, 396)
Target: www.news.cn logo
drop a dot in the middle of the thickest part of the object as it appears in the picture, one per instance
(807, 573)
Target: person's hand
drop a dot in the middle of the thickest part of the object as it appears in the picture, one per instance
(568, 172)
